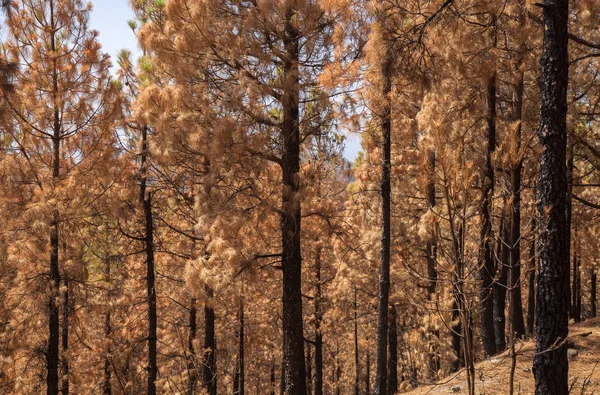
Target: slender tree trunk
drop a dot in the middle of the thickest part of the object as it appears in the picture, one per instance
(293, 336)
(52, 353)
(516, 307)
(500, 285)
(282, 381)
(431, 246)
(550, 364)
(146, 201)
(569, 213)
(368, 373)
(576, 289)
(191, 366)
(318, 334)
(458, 328)
(393, 352)
(65, 340)
(272, 378)
(381, 383)
(532, 267)
(486, 254)
(151, 294)
(239, 387)
(309, 377)
(106, 385)
(209, 369)
(593, 293)
(356, 358)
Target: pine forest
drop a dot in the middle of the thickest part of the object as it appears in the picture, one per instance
(185, 217)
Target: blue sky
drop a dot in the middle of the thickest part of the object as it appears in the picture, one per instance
(110, 18)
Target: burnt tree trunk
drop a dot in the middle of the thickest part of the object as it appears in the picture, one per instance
(384, 275)
(532, 267)
(576, 288)
(239, 383)
(272, 378)
(52, 352)
(486, 254)
(191, 365)
(516, 302)
(65, 340)
(146, 202)
(550, 364)
(393, 352)
(106, 385)
(293, 336)
(500, 286)
(368, 373)
(318, 334)
(431, 247)
(209, 368)
(309, 377)
(458, 329)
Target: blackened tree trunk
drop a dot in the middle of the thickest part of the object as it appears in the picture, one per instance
(393, 352)
(146, 202)
(500, 285)
(106, 385)
(309, 364)
(515, 300)
(431, 247)
(151, 294)
(532, 267)
(65, 340)
(209, 368)
(239, 385)
(486, 254)
(282, 381)
(318, 334)
(550, 364)
(52, 353)
(356, 357)
(457, 305)
(191, 365)
(293, 336)
(384, 275)
(368, 373)
(272, 378)
(432, 275)
(576, 288)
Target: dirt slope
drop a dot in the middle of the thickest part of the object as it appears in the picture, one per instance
(492, 376)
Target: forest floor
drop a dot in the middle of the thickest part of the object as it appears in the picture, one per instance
(492, 375)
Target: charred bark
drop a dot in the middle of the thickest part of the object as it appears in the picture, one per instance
(550, 365)
(209, 363)
(393, 352)
(65, 340)
(191, 365)
(486, 255)
(531, 295)
(318, 334)
(293, 336)
(500, 286)
(239, 385)
(381, 383)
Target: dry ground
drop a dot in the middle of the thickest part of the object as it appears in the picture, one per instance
(492, 376)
